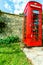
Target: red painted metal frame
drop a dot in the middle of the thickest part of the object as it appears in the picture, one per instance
(32, 5)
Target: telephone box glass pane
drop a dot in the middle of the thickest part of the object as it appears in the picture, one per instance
(35, 24)
(36, 11)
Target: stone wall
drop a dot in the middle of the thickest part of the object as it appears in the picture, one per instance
(14, 25)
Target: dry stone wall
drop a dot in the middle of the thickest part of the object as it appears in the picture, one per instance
(14, 26)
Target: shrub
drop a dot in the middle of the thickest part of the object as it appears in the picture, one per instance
(9, 39)
(16, 39)
(1, 40)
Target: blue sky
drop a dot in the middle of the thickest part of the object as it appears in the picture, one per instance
(14, 6)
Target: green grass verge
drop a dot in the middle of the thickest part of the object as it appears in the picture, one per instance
(11, 54)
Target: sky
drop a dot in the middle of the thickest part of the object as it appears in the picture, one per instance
(15, 6)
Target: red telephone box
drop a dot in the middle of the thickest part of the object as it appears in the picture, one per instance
(32, 25)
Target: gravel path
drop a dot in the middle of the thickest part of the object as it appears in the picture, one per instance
(35, 54)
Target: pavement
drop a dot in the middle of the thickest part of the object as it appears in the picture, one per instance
(35, 54)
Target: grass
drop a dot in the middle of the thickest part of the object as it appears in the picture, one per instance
(11, 54)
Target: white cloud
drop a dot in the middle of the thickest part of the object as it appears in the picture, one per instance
(17, 11)
(16, 6)
(16, 1)
(7, 6)
(12, 0)
(19, 7)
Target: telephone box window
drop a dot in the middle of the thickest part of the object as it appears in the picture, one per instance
(35, 24)
(36, 11)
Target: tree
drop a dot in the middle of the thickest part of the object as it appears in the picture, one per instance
(1, 12)
(21, 14)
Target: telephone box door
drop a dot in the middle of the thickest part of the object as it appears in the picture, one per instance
(36, 28)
